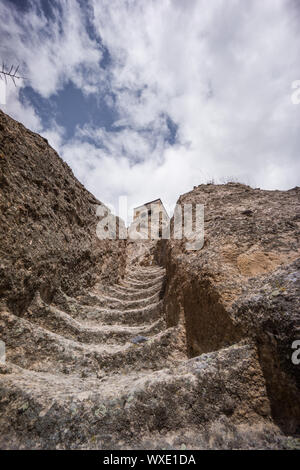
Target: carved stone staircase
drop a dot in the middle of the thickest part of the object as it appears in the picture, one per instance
(103, 371)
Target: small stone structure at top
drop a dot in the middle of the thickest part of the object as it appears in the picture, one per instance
(151, 221)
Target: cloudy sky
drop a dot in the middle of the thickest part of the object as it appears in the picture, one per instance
(147, 98)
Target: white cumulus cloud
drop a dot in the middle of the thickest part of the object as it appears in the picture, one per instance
(220, 71)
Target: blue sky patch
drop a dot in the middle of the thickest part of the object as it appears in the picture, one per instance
(71, 108)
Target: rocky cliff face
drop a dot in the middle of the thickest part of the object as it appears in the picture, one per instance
(47, 223)
(243, 285)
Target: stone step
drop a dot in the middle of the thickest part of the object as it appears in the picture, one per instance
(60, 322)
(127, 283)
(100, 315)
(122, 304)
(127, 293)
(105, 301)
(143, 269)
(33, 347)
(133, 317)
(142, 276)
(97, 314)
(128, 409)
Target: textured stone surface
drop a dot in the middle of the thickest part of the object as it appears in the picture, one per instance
(243, 285)
(47, 223)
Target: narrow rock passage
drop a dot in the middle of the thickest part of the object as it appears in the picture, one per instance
(103, 371)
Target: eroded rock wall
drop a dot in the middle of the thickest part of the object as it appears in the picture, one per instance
(47, 223)
(244, 284)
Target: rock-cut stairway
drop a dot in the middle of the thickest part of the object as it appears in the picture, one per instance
(97, 343)
(103, 371)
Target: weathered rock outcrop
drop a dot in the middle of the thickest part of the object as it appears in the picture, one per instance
(105, 348)
(77, 376)
(244, 284)
(47, 223)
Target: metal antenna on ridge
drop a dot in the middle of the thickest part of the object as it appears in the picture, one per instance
(11, 73)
